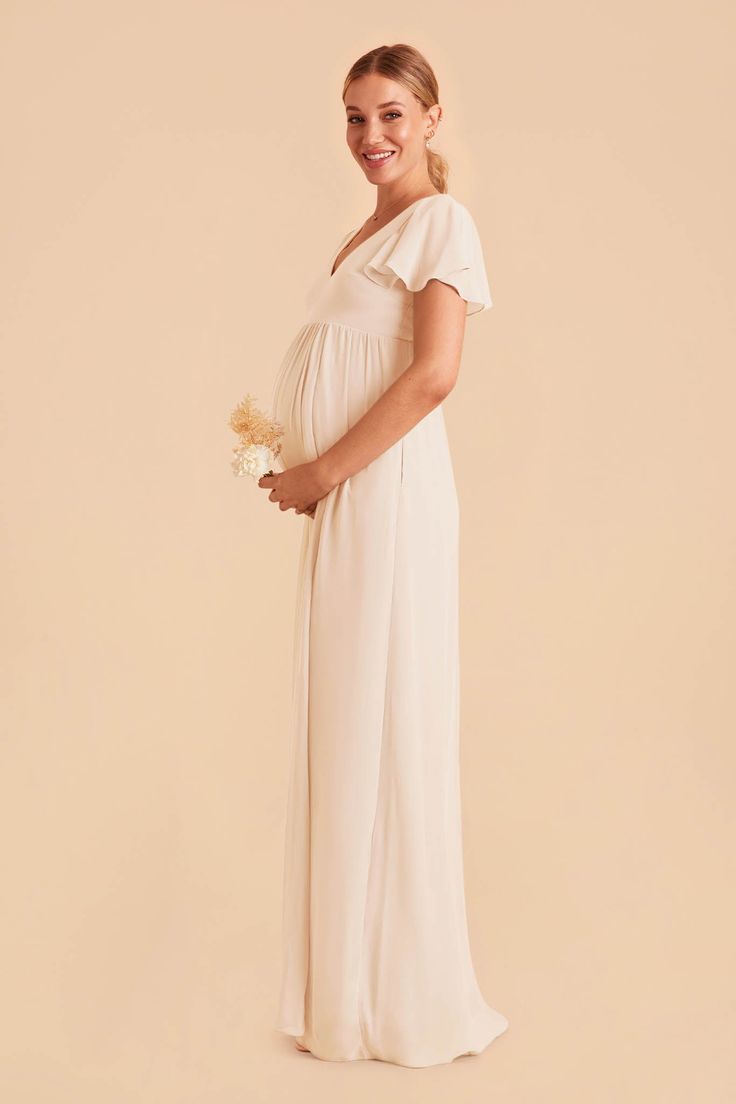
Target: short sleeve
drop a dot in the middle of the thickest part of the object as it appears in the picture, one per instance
(438, 241)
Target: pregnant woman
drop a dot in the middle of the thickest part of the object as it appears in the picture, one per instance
(376, 957)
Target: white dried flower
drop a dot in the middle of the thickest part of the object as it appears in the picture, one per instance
(253, 460)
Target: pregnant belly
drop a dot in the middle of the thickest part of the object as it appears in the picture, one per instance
(330, 375)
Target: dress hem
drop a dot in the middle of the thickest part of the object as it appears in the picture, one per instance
(369, 1056)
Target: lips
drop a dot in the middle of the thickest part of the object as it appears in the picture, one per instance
(378, 160)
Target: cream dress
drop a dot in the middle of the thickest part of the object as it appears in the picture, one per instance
(376, 956)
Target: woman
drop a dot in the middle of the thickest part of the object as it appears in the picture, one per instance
(376, 961)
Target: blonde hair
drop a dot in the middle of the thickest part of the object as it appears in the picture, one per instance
(406, 66)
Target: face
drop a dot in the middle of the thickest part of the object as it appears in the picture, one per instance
(383, 117)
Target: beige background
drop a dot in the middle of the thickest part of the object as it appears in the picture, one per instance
(174, 176)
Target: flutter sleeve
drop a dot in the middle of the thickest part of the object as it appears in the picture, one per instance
(438, 241)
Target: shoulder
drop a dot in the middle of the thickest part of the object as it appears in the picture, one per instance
(439, 216)
(442, 205)
(437, 240)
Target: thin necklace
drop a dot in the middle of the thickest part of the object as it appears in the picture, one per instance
(374, 218)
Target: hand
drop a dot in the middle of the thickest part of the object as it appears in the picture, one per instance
(299, 488)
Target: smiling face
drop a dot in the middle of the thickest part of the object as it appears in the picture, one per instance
(386, 128)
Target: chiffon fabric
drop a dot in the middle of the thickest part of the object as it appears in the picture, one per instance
(376, 955)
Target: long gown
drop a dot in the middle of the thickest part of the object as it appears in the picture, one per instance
(376, 955)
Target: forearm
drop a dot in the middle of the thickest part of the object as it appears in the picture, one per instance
(410, 398)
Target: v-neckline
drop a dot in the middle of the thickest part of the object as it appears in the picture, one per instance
(332, 271)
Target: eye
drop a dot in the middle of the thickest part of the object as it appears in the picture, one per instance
(353, 117)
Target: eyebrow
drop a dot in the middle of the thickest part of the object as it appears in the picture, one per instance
(352, 107)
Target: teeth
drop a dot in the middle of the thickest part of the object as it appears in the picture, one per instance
(378, 156)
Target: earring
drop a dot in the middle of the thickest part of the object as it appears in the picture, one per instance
(431, 135)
